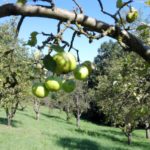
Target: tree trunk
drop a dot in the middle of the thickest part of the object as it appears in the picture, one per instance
(68, 116)
(36, 108)
(129, 138)
(147, 129)
(67, 113)
(9, 121)
(78, 119)
(37, 116)
(9, 117)
(148, 133)
(10, 112)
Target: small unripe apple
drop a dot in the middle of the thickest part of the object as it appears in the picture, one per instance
(65, 62)
(89, 65)
(53, 83)
(68, 85)
(81, 72)
(39, 90)
(132, 15)
(38, 66)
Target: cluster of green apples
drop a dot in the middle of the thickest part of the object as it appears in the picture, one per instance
(132, 15)
(65, 62)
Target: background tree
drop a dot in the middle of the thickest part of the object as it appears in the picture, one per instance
(15, 68)
(122, 87)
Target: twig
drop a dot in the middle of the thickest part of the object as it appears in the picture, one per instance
(80, 8)
(77, 51)
(123, 5)
(121, 21)
(58, 26)
(72, 40)
(106, 13)
(19, 25)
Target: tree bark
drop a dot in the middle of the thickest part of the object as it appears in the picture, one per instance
(148, 133)
(37, 116)
(68, 116)
(132, 42)
(78, 119)
(78, 112)
(129, 138)
(36, 108)
(147, 129)
(67, 110)
(9, 117)
(9, 121)
(10, 112)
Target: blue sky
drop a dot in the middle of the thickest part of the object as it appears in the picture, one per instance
(90, 7)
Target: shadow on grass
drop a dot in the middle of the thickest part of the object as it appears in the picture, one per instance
(51, 116)
(102, 134)
(33, 117)
(56, 118)
(117, 137)
(119, 133)
(14, 123)
(83, 144)
(77, 144)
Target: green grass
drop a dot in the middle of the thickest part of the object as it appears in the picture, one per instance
(52, 132)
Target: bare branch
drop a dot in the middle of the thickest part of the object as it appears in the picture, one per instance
(80, 8)
(58, 26)
(121, 20)
(92, 24)
(19, 25)
(77, 51)
(106, 13)
(72, 40)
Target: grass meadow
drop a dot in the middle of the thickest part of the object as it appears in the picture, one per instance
(52, 132)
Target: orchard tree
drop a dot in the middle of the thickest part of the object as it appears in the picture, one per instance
(15, 71)
(81, 101)
(122, 91)
(75, 102)
(65, 103)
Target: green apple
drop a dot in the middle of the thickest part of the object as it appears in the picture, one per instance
(39, 90)
(89, 65)
(65, 62)
(132, 15)
(81, 72)
(68, 85)
(53, 83)
(38, 66)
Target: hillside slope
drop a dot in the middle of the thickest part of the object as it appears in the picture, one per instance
(52, 132)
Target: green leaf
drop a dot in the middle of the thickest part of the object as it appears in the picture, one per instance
(147, 2)
(33, 39)
(57, 48)
(119, 3)
(49, 63)
(142, 27)
(23, 2)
